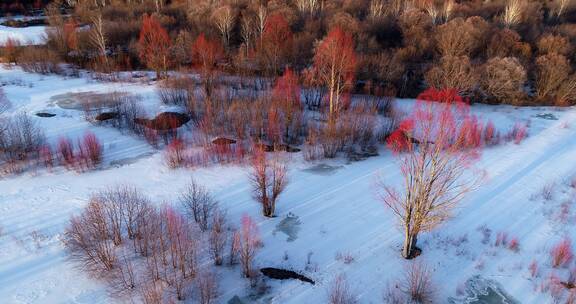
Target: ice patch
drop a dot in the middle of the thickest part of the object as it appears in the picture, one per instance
(290, 226)
(483, 291)
(323, 169)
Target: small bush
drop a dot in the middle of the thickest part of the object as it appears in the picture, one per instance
(92, 148)
(534, 269)
(517, 134)
(346, 258)
(501, 239)
(174, 155)
(199, 204)
(547, 192)
(514, 245)
(39, 60)
(207, 287)
(417, 284)
(340, 292)
(562, 254)
(66, 152)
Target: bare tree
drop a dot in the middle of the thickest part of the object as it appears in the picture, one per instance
(249, 241)
(566, 95)
(247, 31)
(434, 160)
(198, 203)
(335, 66)
(340, 292)
(430, 8)
(448, 10)
(163, 255)
(181, 251)
(561, 6)
(20, 139)
(503, 79)
(377, 9)
(218, 237)
(460, 37)
(224, 19)
(55, 32)
(268, 178)
(550, 43)
(261, 20)
(86, 240)
(417, 284)
(207, 287)
(513, 12)
(307, 6)
(98, 38)
(234, 247)
(551, 71)
(452, 72)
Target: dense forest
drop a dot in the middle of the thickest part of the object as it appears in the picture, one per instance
(500, 51)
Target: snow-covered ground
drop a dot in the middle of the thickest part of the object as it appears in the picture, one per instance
(337, 209)
(31, 35)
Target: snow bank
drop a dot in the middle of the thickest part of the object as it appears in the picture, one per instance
(32, 35)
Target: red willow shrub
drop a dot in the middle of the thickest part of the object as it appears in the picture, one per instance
(46, 156)
(449, 95)
(88, 155)
(248, 245)
(174, 154)
(92, 149)
(154, 45)
(439, 117)
(562, 253)
(335, 63)
(491, 136)
(66, 152)
(517, 133)
(178, 154)
(462, 125)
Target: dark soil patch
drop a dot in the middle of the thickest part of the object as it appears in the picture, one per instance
(44, 114)
(283, 274)
(164, 121)
(223, 141)
(106, 116)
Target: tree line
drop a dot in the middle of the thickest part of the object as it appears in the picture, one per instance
(508, 51)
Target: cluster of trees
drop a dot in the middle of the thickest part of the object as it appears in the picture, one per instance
(87, 154)
(152, 254)
(21, 141)
(23, 145)
(506, 51)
